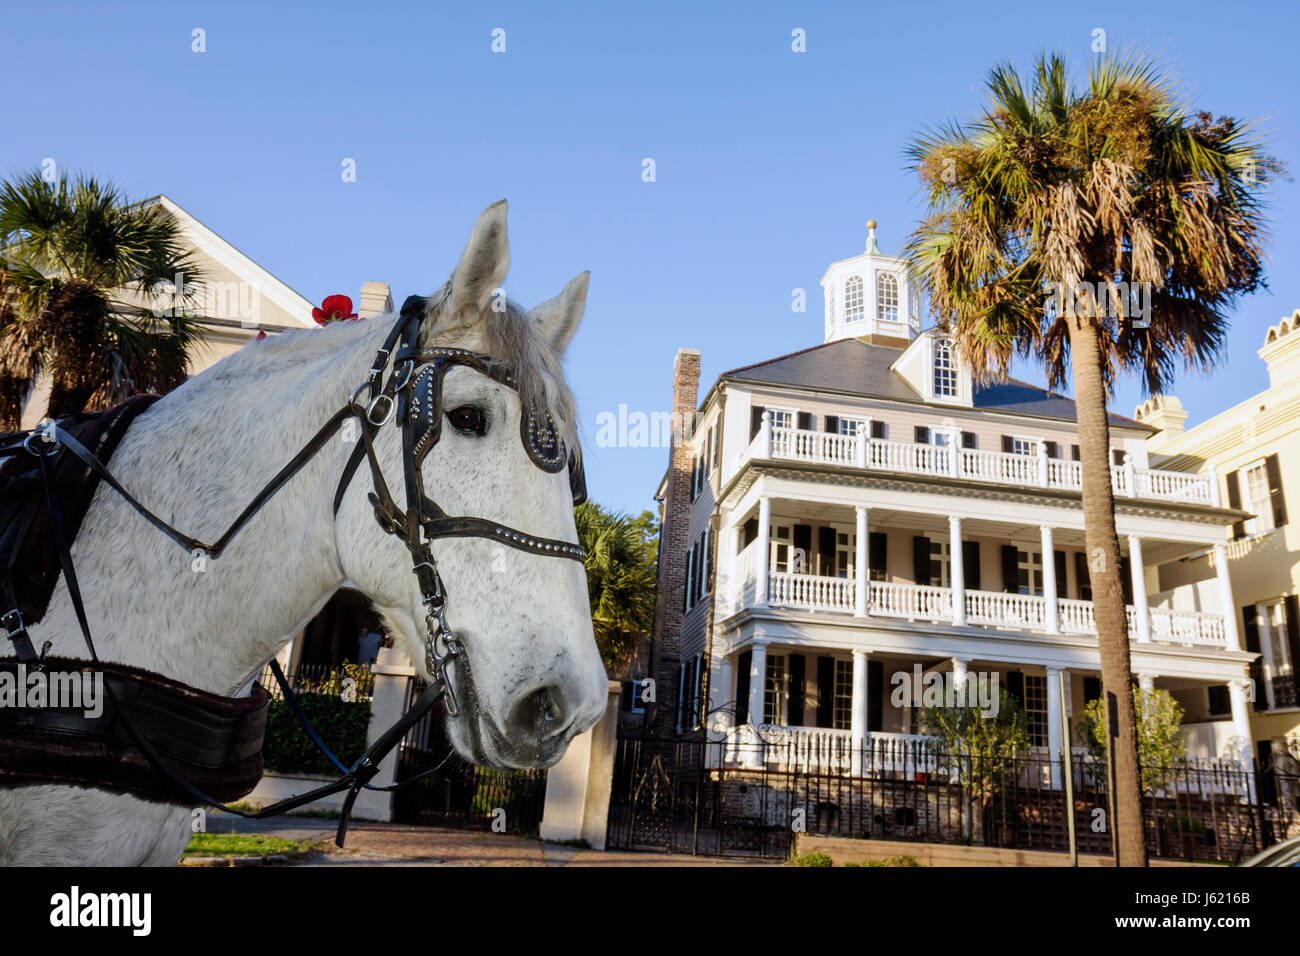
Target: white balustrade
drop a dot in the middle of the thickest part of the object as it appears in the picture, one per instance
(917, 458)
(814, 592)
(914, 601)
(1001, 609)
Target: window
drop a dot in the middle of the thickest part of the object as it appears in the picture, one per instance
(852, 426)
(1036, 709)
(773, 689)
(842, 709)
(1029, 572)
(1254, 481)
(945, 370)
(853, 308)
(1279, 667)
(634, 702)
(887, 297)
(846, 551)
(781, 552)
(940, 564)
(782, 417)
(1024, 446)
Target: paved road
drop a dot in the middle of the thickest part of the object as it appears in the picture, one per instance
(394, 844)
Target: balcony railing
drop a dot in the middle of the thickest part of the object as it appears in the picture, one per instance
(813, 592)
(950, 461)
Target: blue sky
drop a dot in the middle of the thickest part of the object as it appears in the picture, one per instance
(768, 162)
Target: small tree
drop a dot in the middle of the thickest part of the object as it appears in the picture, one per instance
(1162, 746)
(980, 751)
(621, 577)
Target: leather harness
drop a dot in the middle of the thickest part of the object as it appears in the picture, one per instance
(165, 741)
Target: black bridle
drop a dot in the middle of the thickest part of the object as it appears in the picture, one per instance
(413, 394)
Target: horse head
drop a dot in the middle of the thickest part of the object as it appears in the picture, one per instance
(528, 676)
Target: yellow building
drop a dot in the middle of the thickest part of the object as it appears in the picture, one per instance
(1253, 452)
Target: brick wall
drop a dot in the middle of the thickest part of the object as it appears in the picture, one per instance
(674, 535)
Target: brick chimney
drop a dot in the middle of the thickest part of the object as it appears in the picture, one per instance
(674, 536)
(376, 299)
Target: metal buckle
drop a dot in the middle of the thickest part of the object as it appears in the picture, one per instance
(16, 631)
(370, 409)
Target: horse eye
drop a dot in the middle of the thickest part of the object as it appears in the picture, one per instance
(468, 418)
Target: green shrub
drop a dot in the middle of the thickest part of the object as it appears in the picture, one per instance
(810, 859)
(341, 724)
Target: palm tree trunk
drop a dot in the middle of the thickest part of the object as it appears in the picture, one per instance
(1102, 544)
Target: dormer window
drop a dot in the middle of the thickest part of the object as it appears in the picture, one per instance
(945, 370)
(853, 300)
(887, 297)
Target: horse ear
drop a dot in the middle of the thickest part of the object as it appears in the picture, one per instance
(484, 263)
(558, 318)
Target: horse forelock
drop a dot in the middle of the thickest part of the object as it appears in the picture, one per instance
(509, 335)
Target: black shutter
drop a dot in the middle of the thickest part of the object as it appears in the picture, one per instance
(878, 553)
(878, 429)
(755, 420)
(798, 686)
(717, 450)
(875, 695)
(921, 435)
(708, 560)
(1117, 456)
(921, 559)
(1275, 497)
(1008, 444)
(1250, 632)
(970, 564)
(826, 551)
(1061, 586)
(1293, 632)
(825, 692)
(1091, 690)
(805, 421)
(968, 440)
(1016, 686)
(628, 695)
(1053, 449)
(1074, 453)
(831, 423)
(802, 541)
(1126, 578)
(1010, 569)
(1234, 501)
(743, 662)
(1082, 579)
(749, 533)
(1218, 700)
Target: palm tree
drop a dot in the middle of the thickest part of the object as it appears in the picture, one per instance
(68, 250)
(1087, 189)
(620, 579)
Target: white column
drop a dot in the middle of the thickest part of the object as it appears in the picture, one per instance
(763, 556)
(1052, 607)
(858, 715)
(1147, 682)
(1141, 611)
(860, 445)
(861, 573)
(1057, 749)
(757, 681)
(957, 567)
(1241, 718)
(1130, 477)
(1231, 636)
(959, 674)
(722, 688)
(1042, 465)
(1213, 477)
(954, 452)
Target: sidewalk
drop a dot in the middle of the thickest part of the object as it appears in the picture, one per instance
(395, 844)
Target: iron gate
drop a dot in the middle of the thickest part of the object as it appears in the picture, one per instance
(461, 794)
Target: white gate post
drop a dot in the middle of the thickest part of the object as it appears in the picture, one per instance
(578, 787)
(393, 672)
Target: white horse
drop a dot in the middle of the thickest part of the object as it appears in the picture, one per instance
(198, 455)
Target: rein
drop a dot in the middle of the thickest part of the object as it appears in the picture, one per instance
(412, 394)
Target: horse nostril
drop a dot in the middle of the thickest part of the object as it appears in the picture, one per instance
(538, 715)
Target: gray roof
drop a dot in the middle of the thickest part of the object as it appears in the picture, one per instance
(857, 368)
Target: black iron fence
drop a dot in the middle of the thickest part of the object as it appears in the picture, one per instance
(347, 679)
(723, 797)
(460, 793)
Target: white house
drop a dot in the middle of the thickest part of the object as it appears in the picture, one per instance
(861, 508)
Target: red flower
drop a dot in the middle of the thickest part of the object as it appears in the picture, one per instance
(335, 308)
(260, 336)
